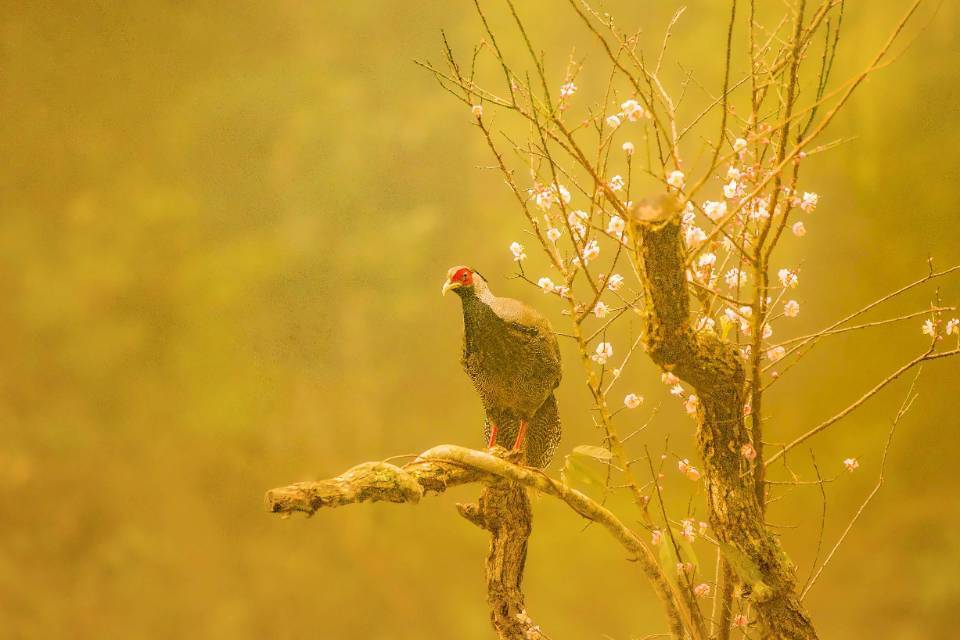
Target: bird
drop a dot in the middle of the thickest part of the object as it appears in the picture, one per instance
(511, 354)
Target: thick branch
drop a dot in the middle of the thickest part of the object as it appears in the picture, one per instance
(699, 358)
(446, 466)
(715, 371)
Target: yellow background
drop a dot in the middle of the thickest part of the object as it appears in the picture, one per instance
(223, 231)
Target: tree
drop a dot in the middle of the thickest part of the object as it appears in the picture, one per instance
(703, 281)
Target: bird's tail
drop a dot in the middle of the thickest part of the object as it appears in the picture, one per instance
(543, 433)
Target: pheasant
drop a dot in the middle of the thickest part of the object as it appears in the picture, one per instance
(511, 354)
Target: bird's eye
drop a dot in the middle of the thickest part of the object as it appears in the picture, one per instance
(464, 276)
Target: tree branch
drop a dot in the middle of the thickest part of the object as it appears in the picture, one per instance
(502, 510)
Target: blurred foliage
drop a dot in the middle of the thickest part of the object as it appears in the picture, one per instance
(223, 230)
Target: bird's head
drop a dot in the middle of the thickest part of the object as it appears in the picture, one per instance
(461, 280)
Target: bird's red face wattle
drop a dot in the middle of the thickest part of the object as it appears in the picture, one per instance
(458, 277)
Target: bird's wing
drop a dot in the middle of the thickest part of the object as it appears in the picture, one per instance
(527, 321)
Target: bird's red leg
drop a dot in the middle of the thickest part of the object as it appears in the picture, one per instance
(521, 435)
(493, 436)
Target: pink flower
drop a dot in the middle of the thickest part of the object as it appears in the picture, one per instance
(632, 401)
(953, 326)
(740, 621)
(799, 229)
(656, 537)
(691, 405)
(702, 590)
(748, 452)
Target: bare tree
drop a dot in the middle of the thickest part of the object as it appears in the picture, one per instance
(702, 281)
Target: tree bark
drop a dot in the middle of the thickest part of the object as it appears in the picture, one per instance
(715, 370)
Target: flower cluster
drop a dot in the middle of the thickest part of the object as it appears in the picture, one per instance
(688, 470)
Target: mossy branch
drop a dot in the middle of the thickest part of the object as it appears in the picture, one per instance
(503, 510)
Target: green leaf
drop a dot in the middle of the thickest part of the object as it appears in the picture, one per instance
(590, 451)
(577, 471)
(669, 558)
(725, 325)
(745, 568)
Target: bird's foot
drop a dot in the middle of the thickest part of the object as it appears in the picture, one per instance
(492, 440)
(521, 435)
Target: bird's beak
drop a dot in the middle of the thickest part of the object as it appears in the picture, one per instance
(449, 285)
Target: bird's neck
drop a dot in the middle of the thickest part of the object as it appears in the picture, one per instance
(476, 306)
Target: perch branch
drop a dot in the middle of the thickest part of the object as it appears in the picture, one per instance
(500, 511)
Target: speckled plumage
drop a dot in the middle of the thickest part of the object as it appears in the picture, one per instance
(511, 354)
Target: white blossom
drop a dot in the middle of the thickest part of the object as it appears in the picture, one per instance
(735, 277)
(553, 234)
(614, 282)
(953, 326)
(758, 210)
(578, 229)
(694, 236)
(851, 464)
(748, 452)
(799, 229)
(616, 183)
(477, 111)
(577, 215)
(707, 259)
(702, 590)
(603, 353)
(676, 390)
(517, 250)
(546, 284)
(739, 145)
(691, 408)
(776, 353)
(730, 190)
(616, 226)
(600, 310)
(791, 308)
(632, 401)
(613, 121)
(669, 379)
(930, 328)
(628, 148)
(632, 110)
(788, 278)
(733, 173)
(676, 179)
(715, 210)
(591, 251)
(656, 537)
(809, 201)
(567, 89)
